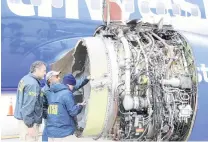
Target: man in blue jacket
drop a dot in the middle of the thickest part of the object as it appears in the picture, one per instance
(52, 77)
(29, 102)
(62, 108)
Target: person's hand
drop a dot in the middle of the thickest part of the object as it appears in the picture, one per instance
(31, 132)
(83, 103)
(89, 77)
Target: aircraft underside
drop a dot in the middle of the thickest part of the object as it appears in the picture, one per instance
(144, 83)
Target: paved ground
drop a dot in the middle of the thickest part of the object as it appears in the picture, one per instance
(73, 138)
(9, 125)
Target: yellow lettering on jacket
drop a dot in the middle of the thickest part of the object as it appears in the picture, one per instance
(53, 109)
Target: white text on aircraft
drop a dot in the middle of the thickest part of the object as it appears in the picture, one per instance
(95, 8)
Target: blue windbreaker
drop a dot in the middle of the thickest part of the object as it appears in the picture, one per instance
(29, 101)
(62, 110)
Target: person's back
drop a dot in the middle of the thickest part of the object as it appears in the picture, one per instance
(61, 110)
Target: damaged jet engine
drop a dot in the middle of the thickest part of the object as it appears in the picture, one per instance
(144, 83)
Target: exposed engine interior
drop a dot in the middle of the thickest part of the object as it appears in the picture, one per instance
(144, 83)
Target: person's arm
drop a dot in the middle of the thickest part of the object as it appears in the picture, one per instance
(45, 105)
(72, 108)
(30, 96)
(80, 83)
(44, 90)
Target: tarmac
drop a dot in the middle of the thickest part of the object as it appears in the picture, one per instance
(73, 138)
(9, 125)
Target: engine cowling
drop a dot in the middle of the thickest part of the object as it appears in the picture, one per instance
(144, 83)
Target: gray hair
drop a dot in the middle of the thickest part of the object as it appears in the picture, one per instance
(36, 65)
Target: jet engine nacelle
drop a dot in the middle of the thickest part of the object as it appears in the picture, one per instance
(144, 83)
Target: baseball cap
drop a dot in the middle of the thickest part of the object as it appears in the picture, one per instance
(52, 73)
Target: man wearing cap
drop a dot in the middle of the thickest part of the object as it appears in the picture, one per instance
(61, 105)
(52, 77)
